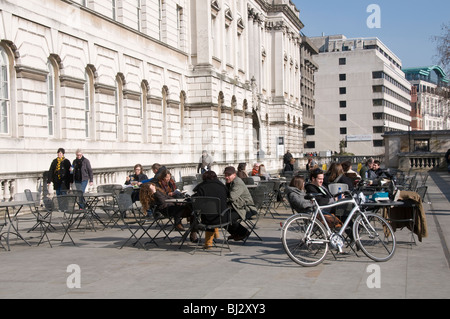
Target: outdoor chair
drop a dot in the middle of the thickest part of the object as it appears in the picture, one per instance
(205, 208)
(163, 222)
(258, 196)
(59, 211)
(3, 223)
(334, 188)
(109, 204)
(248, 181)
(132, 218)
(270, 197)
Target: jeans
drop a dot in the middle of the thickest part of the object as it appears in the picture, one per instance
(81, 186)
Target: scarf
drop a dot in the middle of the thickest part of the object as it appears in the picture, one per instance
(77, 169)
(58, 172)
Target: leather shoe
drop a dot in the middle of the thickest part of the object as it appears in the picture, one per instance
(194, 237)
(241, 237)
(179, 227)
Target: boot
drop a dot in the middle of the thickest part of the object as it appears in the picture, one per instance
(209, 238)
(216, 233)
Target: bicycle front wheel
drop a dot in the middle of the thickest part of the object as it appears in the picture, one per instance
(305, 242)
(374, 236)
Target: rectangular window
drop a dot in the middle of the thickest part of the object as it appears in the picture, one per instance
(378, 143)
(342, 103)
(342, 117)
(342, 90)
(343, 130)
(378, 129)
(342, 77)
(377, 75)
(342, 61)
(421, 145)
(310, 144)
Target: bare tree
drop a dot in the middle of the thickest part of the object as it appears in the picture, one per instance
(443, 48)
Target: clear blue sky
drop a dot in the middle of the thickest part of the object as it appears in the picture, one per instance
(406, 26)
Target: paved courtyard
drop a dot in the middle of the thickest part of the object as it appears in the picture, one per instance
(256, 270)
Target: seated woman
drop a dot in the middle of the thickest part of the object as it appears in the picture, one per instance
(262, 172)
(241, 173)
(255, 169)
(335, 174)
(136, 179)
(167, 184)
(295, 194)
(213, 187)
(152, 195)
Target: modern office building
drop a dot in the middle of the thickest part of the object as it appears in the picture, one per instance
(361, 92)
(134, 81)
(431, 106)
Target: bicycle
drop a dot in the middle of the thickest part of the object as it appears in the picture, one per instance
(306, 238)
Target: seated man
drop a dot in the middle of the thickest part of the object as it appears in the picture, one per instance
(157, 169)
(241, 202)
(316, 186)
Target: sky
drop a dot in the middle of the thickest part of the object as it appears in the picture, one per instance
(405, 27)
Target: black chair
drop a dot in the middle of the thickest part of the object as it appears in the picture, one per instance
(248, 181)
(270, 197)
(3, 223)
(209, 208)
(163, 222)
(59, 211)
(259, 199)
(132, 218)
(108, 204)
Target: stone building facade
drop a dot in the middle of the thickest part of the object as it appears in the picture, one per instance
(144, 81)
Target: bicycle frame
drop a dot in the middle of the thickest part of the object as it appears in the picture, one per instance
(318, 211)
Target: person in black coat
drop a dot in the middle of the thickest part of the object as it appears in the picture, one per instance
(60, 173)
(211, 187)
(316, 187)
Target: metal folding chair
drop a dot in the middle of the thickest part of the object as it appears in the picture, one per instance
(209, 208)
(60, 211)
(270, 196)
(132, 218)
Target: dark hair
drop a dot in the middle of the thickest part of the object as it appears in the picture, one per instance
(241, 166)
(163, 174)
(229, 170)
(298, 181)
(61, 150)
(209, 175)
(315, 172)
(346, 165)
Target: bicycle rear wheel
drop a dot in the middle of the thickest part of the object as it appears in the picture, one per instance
(375, 237)
(305, 242)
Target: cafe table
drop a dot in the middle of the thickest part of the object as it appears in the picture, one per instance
(11, 219)
(92, 200)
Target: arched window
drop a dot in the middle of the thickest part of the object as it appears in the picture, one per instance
(51, 97)
(118, 106)
(4, 92)
(143, 111)
(88, 102)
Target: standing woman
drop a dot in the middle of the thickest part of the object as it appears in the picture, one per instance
(59, 173)
(82, 172)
